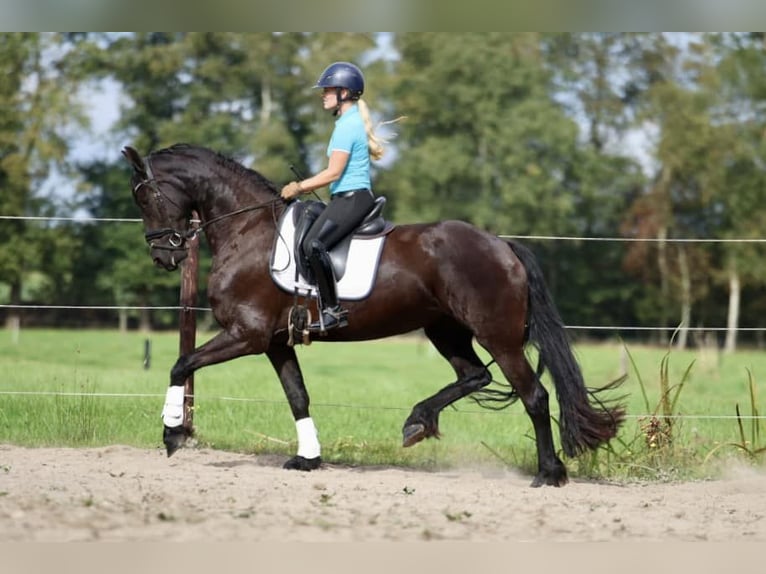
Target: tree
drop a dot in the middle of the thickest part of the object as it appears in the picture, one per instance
(490, 140)
(37, 107)
(484, 140)
(150, 70)
(705, 184)
(588, 81)
(741, 111)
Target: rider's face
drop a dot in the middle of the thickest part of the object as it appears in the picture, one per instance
(330, 98)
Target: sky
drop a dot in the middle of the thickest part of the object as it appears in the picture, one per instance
(102, 103)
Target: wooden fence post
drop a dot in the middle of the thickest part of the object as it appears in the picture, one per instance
(188, 321)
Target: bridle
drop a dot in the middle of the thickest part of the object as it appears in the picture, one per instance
(177, 239)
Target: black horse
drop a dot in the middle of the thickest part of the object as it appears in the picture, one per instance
(454, 281)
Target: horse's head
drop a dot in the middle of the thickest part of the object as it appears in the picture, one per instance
(164, 209)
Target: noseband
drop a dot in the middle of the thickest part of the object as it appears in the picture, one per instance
(176, 240)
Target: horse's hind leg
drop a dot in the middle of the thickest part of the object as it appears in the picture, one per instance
(454, 342)
(516, 368)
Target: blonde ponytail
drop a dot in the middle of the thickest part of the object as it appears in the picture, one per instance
(374, 143)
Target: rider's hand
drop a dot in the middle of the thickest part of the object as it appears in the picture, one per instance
(291, 190)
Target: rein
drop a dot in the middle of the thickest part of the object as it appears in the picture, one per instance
(193, 232)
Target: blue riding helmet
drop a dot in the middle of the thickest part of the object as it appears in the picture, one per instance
(343, 75)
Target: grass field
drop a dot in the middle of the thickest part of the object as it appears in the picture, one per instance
(87, 387)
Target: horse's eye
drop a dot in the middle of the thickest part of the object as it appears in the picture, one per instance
(141, 195)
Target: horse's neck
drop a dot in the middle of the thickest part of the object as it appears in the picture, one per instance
(224, 212)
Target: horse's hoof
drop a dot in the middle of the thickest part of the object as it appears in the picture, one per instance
(548, 479)
(412, 434)
(302, 463)
(174, 438)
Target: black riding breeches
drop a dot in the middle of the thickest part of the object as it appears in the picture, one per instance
(344, 213)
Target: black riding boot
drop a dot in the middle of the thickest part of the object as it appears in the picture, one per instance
(332, 315)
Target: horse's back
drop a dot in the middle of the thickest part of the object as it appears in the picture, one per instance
(453, 243)
(454, 257)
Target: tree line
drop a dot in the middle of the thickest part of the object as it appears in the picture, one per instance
(649, 138)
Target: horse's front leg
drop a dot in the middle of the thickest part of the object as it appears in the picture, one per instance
(285, 363)
(222, 347)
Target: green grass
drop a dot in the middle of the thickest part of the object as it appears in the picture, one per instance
(90, 388)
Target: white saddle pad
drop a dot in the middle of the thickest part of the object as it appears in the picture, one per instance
(361, 267)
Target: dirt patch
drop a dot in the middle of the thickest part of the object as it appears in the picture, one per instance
(127, 494)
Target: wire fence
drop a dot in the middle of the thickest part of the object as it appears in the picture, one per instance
(633, 328)
(208, 309)
(521, 237)
(314, 404)
(618, 328)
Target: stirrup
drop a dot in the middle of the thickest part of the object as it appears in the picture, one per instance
(332, 318)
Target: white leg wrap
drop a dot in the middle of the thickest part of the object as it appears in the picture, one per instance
(308, 441)
(173, 412)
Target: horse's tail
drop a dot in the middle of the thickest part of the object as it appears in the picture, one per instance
(581, 424)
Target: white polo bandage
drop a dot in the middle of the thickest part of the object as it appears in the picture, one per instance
(308, 441)
(173, 412)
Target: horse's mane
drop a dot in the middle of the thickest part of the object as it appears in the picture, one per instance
(232, 165)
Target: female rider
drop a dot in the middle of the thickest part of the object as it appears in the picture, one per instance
(351, 146)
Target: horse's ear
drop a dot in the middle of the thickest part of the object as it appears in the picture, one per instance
(135, 160)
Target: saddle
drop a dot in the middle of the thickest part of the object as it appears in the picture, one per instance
(354, 259)
(305, 213)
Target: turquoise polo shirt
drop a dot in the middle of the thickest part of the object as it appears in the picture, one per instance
(349, 136)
